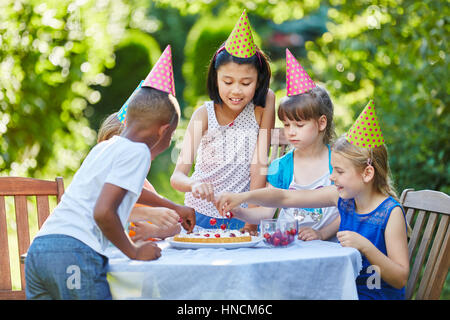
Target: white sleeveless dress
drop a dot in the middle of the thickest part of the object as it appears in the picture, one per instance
(224, 156)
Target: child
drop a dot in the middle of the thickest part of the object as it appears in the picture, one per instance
(230, 134)
(307, 116)
(66, 258)
(169, 226)
(371, 219)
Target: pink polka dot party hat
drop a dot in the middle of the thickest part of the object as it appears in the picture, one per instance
(297, 80)
(240, 42)
(366, 132)
(161, 76)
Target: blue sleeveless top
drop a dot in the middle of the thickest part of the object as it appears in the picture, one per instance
(372, 226)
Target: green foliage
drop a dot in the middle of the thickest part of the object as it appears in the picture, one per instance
(135, 55)
(205, 37)
(395, 53)
(51, 52)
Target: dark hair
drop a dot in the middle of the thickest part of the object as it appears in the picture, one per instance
(309, 105)
(259, 60)
(148, 106)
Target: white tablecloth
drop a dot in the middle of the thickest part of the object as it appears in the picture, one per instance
(304, 270)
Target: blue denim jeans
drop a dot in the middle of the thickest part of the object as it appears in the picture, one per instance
(202, 221)
(62, 267)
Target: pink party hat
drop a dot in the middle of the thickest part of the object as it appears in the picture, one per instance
(240, 42)
(297, 80)
(161, 76)
(366, 132)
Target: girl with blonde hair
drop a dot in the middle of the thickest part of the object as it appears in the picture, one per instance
(371, 219)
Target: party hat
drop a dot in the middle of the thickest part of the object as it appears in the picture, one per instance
(161, 76)
(123, 111)
(240, 42)
(366, 132)
(297, 80)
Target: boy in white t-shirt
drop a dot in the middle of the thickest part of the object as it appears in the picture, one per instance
(66, 259)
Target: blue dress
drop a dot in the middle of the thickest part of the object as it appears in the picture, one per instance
(372, 226)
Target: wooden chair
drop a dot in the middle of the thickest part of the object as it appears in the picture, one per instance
(430, 209)
(279, 145)
(19, 189)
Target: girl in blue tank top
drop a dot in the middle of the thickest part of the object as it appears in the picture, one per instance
(371, 219)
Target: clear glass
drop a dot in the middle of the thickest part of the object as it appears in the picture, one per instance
(278, 233)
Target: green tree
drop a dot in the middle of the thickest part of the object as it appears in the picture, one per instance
(135, 55)
(394, 52)
(50, 54)
(53, 55)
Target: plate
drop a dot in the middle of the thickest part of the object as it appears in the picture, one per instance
(198, 245)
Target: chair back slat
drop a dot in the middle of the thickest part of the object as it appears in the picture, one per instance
(59, 188)
(21, 190)
(432, 258)
(5, 274)
(428, 212)
(440, 271)
(420, 256)
(414, 240)
(43, 209)
(23, 230)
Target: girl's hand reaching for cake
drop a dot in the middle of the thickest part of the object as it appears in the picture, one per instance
(228, 201)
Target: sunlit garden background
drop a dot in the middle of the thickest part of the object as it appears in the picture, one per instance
(65, 65)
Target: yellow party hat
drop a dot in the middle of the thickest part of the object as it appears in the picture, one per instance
(366, 132)
(240, 42)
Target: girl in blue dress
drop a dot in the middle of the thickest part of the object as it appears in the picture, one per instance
(371, 219)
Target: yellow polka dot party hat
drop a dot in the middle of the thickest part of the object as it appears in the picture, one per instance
(240, 42)
(366, 132)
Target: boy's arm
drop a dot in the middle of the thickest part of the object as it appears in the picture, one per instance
(107, 219)
(187, 214)
(280, 198)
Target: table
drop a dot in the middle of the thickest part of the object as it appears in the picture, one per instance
(304, 270)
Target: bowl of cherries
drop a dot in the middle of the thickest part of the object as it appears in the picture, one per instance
(278, 233)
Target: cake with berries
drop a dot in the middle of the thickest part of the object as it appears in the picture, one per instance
(214, 236)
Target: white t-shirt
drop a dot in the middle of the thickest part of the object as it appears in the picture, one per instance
(117, 161)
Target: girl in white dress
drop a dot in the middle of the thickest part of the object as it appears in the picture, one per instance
(229, 136)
